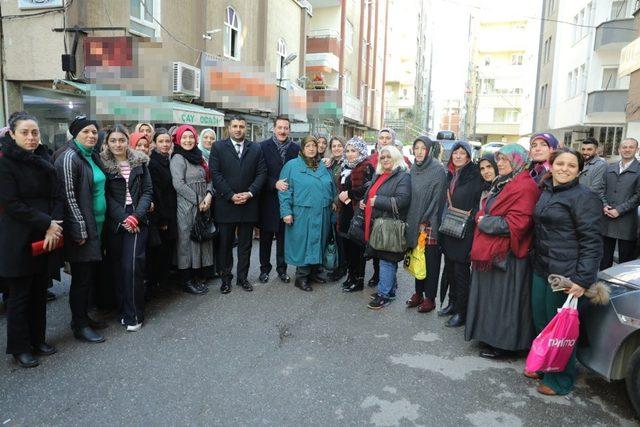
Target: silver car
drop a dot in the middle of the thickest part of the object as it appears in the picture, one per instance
(610, 334)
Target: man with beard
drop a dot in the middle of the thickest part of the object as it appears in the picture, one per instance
(592, 175)
(277, 151)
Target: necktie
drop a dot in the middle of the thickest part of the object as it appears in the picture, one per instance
(239, 149)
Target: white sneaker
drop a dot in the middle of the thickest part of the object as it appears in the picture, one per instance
(134, 328)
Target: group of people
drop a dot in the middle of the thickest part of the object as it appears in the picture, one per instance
(122, 210)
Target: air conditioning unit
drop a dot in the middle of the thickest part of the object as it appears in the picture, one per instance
(186, 80)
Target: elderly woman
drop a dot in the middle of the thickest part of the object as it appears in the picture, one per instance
(390, 188)
(305, 208)
(356, 174)
(540, 149)
(30, 211)
(499, 311)
(82, 178)
(428, 180)
(205, 142)
(463, 192)
(568, 241)
(192, 180)
(129, 193)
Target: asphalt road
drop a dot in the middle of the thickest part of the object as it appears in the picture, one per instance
(279, 356)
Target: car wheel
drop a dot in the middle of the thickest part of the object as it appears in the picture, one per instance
(633, 380)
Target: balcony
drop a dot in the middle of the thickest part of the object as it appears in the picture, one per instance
(607, 102)
(333, 104)
(614, 35)
(323, 41)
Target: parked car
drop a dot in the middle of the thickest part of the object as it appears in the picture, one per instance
(477, 149)
(491, 147)
(609, 341)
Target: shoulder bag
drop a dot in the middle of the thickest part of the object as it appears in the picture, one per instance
(455, 222)
(388, 234)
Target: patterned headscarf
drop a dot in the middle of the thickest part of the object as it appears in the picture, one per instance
(361, 147)
(518, 158)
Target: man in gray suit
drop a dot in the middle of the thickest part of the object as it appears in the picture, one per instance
(595, 167)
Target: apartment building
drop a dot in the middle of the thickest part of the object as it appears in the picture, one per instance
(579, 90)
(630, 66)
(450, 115)
(345, 65)
(501, 92)
(153, 60)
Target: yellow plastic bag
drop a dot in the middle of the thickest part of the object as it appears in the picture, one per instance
(414, 260)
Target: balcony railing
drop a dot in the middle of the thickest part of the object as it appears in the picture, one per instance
(607, 101)
(615, 34)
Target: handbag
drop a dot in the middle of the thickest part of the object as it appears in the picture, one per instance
(553, 347)
(330, 257)
(388, 234)
(203, 228)
(356, 227)
(455, 222)
(415, 260)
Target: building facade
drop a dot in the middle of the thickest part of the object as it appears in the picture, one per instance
(450, 115)
(579, 92)
(630, 66)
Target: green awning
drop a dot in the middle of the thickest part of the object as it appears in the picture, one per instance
(196, 115)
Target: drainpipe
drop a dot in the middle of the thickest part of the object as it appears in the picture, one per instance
(384, 59)
(368, 61)
(534, 126)
(375, 63)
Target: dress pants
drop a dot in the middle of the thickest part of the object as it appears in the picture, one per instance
(459, 276)
(354, 254)
(159, 261)
(128, 256)
(26, 312)
(429, 285)
(266, 242)
(626, 251)
(83, 275)
(226, 236)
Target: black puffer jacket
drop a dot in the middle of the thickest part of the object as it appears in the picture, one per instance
(398, 187)
(29, 201)
(140, 189)
(568, 225)
(164, 195)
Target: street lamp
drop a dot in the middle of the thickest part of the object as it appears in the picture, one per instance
(286, 61)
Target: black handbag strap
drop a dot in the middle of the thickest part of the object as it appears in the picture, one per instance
(394, 208)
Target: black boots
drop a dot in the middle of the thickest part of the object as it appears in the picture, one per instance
(193, 287)
(87, 334)
(455, 321)
(303, 284)
(356, 286)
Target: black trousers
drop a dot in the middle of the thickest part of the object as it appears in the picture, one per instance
(307, 271)
(266, 243)
(342, 253)
(159, 260)
(226, 236)
(354, 254)
(459, 276)
(128, 254)
(26, 312)
(626, 251)
(83, 275)
(429, 285)
(446, 286)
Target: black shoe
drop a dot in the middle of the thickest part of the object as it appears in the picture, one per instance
(337, 274)
(317, 279)
(44, 349)
(194, 288)
(356, 286)
(303, 284)
(225, 288)
(87, 334)
(347, 283)
(455, 321)
(26, 360)
(244, 284)
(284, 277)
(98, 324)
(446, 311)
(264, 277)
(51, 296)
(492, 353)
(373, 282)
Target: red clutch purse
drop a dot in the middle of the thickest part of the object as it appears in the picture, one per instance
(37, 248)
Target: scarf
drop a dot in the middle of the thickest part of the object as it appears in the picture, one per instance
(518, 158)
(193, 156)
(205, 152)
(362, 149)
(312, 163)
(282, 147)
(346, 171)
(162, 159)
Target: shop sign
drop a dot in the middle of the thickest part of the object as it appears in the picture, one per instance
(629, 58)
(198, 119)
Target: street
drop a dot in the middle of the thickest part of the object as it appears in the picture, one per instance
(280, 356)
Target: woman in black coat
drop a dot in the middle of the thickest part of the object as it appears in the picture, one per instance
(30, 211)
(129, 194)
(463, 192)
(568, 241)
(163, 226)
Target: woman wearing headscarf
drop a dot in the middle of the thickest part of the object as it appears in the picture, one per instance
(323, 144)
(192, 180)
(31, 210)
(428, 181)
(147, 130)
(463, 192)
(205, 142)
(163, 221)
(540, 149)
(499, 311)
(81, 176)
(488, 171)
(305, 208)
(129, 193)
(335, 162)
(141, 142)
(356, 174)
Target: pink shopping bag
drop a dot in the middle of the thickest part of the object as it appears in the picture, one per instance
(552, 348)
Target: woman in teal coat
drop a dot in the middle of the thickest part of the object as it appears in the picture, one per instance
(306, 209)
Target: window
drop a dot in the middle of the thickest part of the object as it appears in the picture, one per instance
(232, 26)
(611, 137)
(144, 17)
(583, 79)
(543, 95)
(487, 61)
(581, 23)
(516, 59)
(281, 52)
(546, 52)
(609, 78)
(618, 9)
(573, 82)
(505, 115)
(487, 85)
(348, 37)
(347, 83)
(551, 5)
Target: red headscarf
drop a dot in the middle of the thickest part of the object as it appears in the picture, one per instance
(194, 155)
(137, 136)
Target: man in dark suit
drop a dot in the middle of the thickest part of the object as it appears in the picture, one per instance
(238, 172)
(277, 151)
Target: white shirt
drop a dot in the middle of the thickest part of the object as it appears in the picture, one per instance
(624, 167)
(238, 146)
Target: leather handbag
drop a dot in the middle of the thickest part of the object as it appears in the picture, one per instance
(203, 228)
(455, 222)
(356, 227)
(330, 258)
(388, 234)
